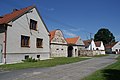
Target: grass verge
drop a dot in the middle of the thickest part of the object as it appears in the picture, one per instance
(111, 72)
(42, 63)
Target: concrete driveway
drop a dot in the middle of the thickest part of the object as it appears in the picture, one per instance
(74, 71)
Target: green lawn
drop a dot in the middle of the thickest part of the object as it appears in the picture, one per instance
(111, 72)
(42, 63)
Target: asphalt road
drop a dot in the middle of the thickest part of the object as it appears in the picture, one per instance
(74, 71)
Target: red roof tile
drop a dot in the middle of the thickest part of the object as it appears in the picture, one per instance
(108, 46)
(52, 34)
(87, 42)
(98, 43)
(72, 40)
(15, 14)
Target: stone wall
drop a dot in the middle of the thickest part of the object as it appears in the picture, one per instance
(90, 52)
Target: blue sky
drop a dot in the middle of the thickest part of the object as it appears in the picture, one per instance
(73, 17)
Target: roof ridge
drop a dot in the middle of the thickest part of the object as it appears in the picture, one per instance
(14, 14)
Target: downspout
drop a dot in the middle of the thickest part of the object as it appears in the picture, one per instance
(5, 44)
(50, 44)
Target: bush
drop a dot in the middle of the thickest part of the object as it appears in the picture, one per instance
(30, 60)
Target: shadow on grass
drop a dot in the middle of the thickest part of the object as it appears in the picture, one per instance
(111, 74)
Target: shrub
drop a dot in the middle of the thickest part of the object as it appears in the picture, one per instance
(30, 60)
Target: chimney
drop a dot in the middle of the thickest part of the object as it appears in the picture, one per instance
(15, 10)
(1, 16)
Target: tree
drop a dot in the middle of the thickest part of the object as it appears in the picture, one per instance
(104, 35)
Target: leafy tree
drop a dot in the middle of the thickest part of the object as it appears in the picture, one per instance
(104, 35)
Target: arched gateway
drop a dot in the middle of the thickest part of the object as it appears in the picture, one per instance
(70, 51)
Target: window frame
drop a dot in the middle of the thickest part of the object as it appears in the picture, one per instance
(116, 50)
(38, 56)
(25, 43)
(33, 22)
(26, 57)
(37, 43)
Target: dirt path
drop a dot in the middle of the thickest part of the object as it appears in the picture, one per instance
(74, 71)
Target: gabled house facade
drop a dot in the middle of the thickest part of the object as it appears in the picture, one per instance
(113, 47)
(89, 45)
(99, 45)
(93, 48)
(74, 46)
(58, 44)
(23, 34)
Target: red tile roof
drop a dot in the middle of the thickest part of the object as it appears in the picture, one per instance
(72, 40)
(14, 15)
(52, 34)
(98, 43)
(87, 42)
(108, 46)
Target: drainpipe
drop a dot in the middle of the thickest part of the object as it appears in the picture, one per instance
(5, 41)
(5, 44)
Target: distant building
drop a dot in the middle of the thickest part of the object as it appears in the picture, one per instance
(99, 45)
(113, 47)
(91, 45)
(61, 47)
(74, 46)
(23, 34)
(58, 44)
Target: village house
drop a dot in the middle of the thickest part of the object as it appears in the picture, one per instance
(91, 45)
(74, 46)
(113, 47)
(58, 44)
(99, 45)
(93, 48)
(61, 47)
(23, 34)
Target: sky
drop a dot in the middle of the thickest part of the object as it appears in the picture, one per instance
(74, 17)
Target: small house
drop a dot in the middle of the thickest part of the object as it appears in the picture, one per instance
(23, 34)
(58, 44)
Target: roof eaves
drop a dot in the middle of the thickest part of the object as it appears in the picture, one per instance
(22, 14)
(42, 20)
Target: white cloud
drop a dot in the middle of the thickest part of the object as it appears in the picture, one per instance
(69, 34)
(50, 9)
(76, 29)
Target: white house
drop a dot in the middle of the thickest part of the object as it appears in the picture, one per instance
(74, 46)
(113, 47)
(99, 45)
(58, 44)
(89, 44)
(23, 34)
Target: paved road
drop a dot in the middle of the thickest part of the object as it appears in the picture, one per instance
(74, 71)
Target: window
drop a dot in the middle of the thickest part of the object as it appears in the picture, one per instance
(26, 56)
(25, 41)
(57, 49)
(97, 49)
(33, 24)
(38, 56)
(116, 50)
(39, 43)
